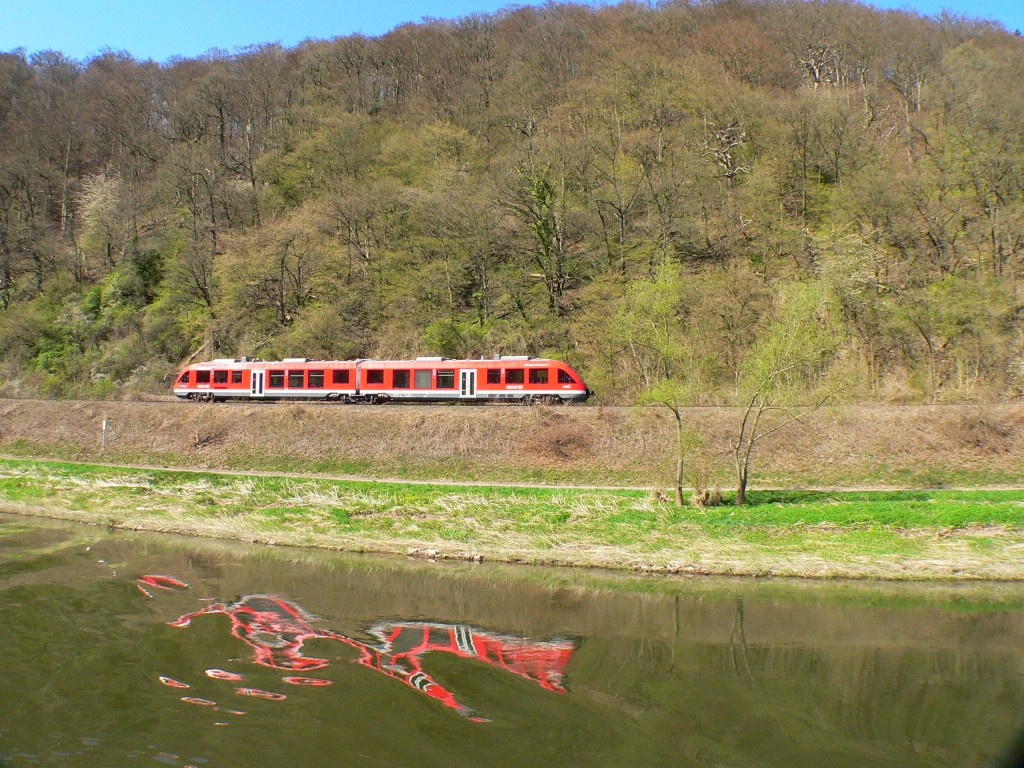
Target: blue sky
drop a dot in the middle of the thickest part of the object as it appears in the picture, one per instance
(159, 29)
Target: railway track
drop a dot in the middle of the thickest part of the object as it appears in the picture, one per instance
(504, 405)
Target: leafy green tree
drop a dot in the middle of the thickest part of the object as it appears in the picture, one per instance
(783, 374)
(676, 396)
(964, 325)
(676, 372)
(537, 198)
(515, 183)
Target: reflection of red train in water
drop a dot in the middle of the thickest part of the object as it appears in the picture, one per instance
(276, 631)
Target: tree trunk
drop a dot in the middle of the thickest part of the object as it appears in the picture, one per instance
(679, 480)
(744, 446)
(741, 486)
(679, 456)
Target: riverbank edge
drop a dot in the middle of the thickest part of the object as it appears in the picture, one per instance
(1004, 559)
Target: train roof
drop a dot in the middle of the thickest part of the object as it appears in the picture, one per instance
(526, 360)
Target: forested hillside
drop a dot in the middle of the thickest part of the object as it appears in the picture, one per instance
(644, 191)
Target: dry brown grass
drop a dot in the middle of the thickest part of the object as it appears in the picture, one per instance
(866, 445)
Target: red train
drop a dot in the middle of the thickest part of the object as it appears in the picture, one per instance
(425, 379)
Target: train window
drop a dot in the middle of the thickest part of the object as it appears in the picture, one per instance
(220, 377)
(514, 376)
(296, 379)
(275, 379)
(236, 377)
(446, 379)
(400, 379)
(494, 375)
(564, 377)
(184, 378)
(375, 377)
(538, 375)
(422, 379)
(316, 379)
(202, 377)
(339, 377)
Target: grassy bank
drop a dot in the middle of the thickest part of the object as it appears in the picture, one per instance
(900, 535)
(865, 446)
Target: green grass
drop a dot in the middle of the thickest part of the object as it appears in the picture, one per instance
(895, 534)
(867, 472)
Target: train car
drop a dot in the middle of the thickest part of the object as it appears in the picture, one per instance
(425, 379)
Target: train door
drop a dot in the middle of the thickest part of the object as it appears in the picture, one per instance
(256, 386)
(467, 383)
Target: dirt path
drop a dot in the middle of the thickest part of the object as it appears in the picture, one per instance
(486, 484)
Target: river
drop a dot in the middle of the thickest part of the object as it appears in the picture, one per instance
(128, 649)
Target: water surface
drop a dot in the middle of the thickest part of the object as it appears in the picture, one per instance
(141, 650)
